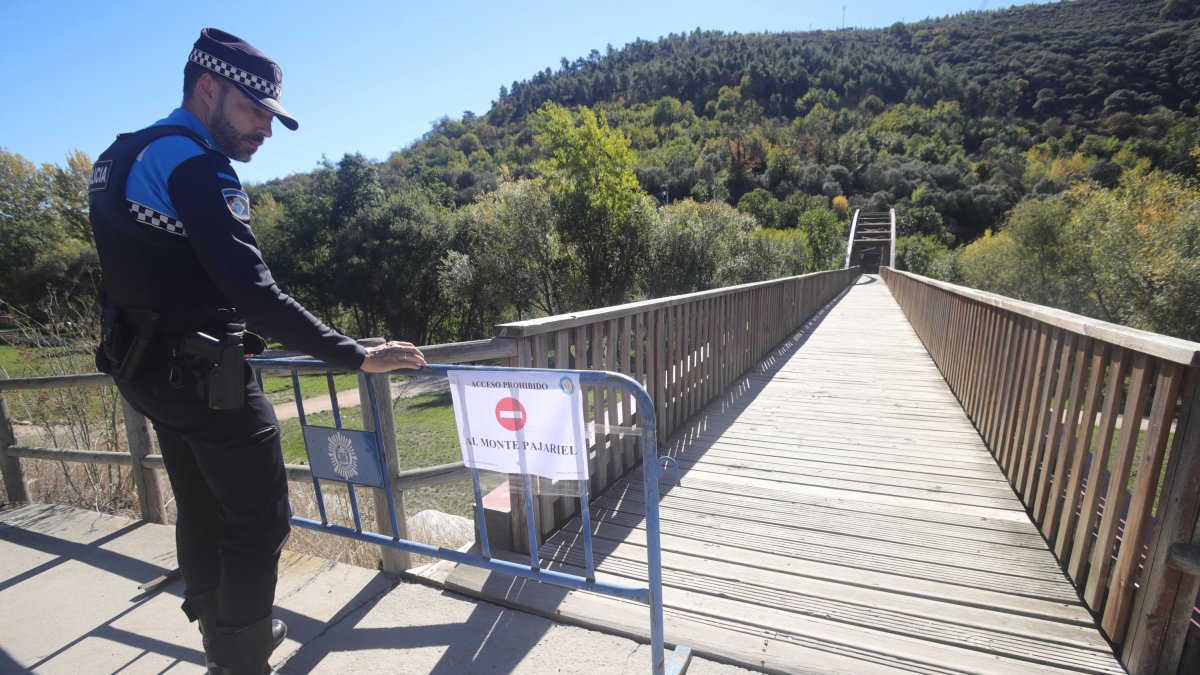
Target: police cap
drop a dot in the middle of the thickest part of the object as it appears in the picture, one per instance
(238, 61)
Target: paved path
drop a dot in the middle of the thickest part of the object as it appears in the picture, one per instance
(70, 604)
(401, 388)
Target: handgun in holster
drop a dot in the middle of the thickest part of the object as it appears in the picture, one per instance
(221, 383)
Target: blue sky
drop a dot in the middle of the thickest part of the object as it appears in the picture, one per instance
(361, 76)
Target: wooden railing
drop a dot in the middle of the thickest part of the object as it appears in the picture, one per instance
(685, 350)
(1060, 400)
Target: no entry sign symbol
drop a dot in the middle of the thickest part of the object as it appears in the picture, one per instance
(511, 414)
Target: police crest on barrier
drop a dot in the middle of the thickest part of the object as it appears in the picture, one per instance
(344, 455)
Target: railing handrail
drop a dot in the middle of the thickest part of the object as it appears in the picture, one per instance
(1177, 350)
(850, 241)
(531, 327)
(450, 352)
(892, 243)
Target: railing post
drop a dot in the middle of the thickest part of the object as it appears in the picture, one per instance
(14, 475)
(394, 560)
(518, 527)
(1162, 610)
(145, 479)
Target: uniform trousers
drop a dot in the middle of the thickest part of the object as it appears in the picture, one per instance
(226, 470)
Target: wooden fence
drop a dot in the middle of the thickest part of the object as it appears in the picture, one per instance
(1060, 401)
(685, 350)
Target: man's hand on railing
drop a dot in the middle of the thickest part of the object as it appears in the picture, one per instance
(391, 356)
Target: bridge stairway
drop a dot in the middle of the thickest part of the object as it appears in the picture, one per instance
(838, 513)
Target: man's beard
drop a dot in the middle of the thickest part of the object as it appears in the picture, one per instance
(230, 141)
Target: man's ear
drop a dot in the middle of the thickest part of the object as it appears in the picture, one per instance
(207, 89)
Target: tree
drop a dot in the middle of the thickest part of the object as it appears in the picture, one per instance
(45, 239)
(761, 206)
(696, 246)
(591, 171)
(826, 238)
(520, 264)
(1138, 251)
(385, 266)
(1037, 229)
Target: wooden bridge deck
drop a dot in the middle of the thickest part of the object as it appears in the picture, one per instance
(838, 513)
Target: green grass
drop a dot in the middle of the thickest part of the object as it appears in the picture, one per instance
(10, 362)
(425, 436)
(279, 389)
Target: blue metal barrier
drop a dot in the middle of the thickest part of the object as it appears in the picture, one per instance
(371, 470)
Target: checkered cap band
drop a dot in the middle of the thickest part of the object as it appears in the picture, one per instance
(156, 219)
(234, 73)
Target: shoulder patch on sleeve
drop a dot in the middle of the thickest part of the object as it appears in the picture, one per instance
(99, 180)
(238, 203)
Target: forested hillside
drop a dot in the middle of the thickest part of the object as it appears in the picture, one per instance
(1039, 151)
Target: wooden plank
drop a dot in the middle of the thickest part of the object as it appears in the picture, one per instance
(558, 507)
(616, 464)
(137, 431)
(1081, 548)
(582, 359)
(1053, 436)
(543, 505)
(1014, 390)
(1067, 438)
(687, 361)
(1141, 506)
(715, 640)
(939, 639)
(1163, 607)
(661, 373)
(624, 364)
(392, 561)
(754, 579)
(996, 394)
(708, 355)
(1082, 443)
(1035, 435)
(603, 478)
(1106, 533)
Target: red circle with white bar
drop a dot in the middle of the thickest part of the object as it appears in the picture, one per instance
(511, 414)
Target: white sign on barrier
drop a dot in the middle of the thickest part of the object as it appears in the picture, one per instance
(507, 418)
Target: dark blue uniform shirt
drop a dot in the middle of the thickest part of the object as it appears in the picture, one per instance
(181, 241)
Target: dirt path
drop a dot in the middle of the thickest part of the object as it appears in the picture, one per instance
(405, 388)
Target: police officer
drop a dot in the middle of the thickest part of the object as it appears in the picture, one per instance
(182, 277)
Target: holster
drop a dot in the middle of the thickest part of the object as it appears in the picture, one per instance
(122, 352)
(219, 362)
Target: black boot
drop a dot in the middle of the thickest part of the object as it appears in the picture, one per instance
(243, 651)
(202, 608)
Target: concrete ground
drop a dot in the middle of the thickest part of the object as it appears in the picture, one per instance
(70, 603)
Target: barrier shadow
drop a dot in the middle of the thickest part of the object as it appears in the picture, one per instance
(490, 639)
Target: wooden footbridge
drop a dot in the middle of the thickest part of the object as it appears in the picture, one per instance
(878, 474)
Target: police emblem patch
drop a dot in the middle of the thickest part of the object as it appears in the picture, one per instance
(343, 457)
(238, 203)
